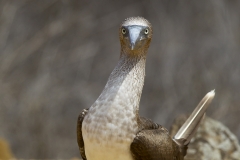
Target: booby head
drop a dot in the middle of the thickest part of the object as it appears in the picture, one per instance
(135, 34)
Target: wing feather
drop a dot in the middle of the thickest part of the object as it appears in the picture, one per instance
(79, 133)
(154, 143)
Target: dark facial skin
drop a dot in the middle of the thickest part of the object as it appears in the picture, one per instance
(135, 37)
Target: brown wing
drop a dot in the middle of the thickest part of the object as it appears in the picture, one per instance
(145, 123)
(154, 143)
(79, 133)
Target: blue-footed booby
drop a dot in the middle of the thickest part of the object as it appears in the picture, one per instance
(111, 129)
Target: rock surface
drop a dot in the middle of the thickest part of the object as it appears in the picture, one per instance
(213, 141)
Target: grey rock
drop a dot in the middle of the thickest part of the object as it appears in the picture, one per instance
(213, 141)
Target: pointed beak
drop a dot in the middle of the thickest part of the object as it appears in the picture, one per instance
(134, 36)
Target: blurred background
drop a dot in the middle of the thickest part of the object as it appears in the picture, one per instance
(56, 56)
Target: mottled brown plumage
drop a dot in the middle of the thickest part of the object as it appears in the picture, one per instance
(152, 142)
(112, 128)
(144, 140)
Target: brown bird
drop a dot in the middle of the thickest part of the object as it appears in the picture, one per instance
(111, 129)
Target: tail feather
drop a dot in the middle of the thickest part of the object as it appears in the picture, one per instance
(189, 128)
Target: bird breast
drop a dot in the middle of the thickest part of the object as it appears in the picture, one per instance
(108, 131)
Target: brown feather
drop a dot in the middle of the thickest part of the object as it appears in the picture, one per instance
(154, 143)
(79, 133)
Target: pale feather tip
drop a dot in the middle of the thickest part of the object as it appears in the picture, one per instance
(211, 93)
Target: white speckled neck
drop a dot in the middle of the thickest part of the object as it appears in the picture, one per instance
(126, 82)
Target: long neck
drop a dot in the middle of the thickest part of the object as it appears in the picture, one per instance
(124, 86)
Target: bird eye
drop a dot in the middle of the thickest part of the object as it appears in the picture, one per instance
(124, 31)
(146, 31)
